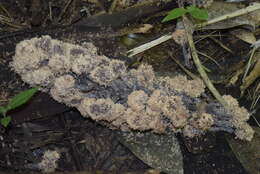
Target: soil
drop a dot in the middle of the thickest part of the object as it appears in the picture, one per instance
(84, 145)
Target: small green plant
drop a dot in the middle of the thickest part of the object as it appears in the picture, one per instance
(15, 102)
(195, 12)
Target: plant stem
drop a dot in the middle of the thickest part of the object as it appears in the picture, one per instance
(198, 64)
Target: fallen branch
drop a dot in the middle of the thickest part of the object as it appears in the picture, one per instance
(128, 99)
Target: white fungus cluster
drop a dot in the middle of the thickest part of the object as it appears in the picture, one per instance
(239, 116)
(106, 91)
(150, 112)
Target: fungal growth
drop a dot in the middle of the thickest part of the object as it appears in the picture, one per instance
(106, 91)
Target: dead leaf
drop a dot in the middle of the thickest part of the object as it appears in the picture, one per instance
(158, 151)
(248, 153)
(244, 35)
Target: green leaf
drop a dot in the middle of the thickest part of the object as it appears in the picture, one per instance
(198, 13)
(3, 110)
(175, 13)
(21, 98)
(5, 121)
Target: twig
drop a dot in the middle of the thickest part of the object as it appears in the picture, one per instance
(193, 76)
(64, 10)
(251, 8)
(148, 45)
(256, 97)
(50, 10)
(6, 11)
(256, 121)
(210, 58)
(113, 6)
(198, 64)
(222, 45)
(249, 63)
(8, 21)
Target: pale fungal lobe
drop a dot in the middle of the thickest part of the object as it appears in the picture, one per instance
(104, 90)
(137, 100)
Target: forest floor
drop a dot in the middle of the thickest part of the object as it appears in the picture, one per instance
(43, 124)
